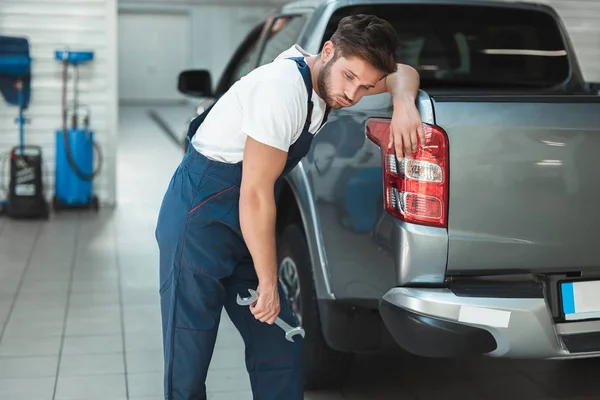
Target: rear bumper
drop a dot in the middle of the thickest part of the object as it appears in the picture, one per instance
(438, 323)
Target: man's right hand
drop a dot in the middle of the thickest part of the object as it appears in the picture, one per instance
(262, 166)
(266, 309)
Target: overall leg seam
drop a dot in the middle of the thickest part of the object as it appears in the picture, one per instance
(175, 284)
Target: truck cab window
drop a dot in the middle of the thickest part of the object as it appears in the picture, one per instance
(241, 62)
(244, 66)
(453, 46)
(284, 33)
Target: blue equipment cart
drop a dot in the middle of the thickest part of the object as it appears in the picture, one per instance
(75, 144)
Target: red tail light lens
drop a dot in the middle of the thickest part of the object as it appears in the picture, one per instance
(415, 188)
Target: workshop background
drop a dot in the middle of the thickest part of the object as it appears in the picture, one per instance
(142, 45)
(79, 312)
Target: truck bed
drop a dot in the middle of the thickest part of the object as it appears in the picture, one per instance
(524, 182)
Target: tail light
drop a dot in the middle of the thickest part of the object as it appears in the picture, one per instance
(415, 188)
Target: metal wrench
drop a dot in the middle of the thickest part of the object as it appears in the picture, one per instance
(290, 331)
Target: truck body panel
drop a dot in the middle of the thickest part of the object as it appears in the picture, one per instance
(524, 183)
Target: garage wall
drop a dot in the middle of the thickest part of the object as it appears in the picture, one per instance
(174, 37)
(153, 49)
(49, 26)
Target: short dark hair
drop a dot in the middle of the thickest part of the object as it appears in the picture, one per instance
(368, 37)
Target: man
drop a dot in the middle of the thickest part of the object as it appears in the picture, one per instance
(216, 225)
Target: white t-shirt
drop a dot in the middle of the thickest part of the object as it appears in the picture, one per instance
(269, 104)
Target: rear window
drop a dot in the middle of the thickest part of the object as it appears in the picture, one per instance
(474, 46)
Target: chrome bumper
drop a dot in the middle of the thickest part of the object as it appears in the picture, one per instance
(521, 328)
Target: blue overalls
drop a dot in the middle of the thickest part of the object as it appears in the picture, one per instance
(204, 264)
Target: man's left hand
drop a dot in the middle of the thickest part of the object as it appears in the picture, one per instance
(405, 127)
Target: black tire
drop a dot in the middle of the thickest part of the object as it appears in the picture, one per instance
(325, 368)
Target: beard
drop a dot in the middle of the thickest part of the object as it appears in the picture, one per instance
(324, 85)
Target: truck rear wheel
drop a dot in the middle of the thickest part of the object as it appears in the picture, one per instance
(325, 368)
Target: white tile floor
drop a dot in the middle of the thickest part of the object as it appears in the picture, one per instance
(79, 311)
(79, 304)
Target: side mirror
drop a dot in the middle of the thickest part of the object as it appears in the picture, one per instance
(195, 83)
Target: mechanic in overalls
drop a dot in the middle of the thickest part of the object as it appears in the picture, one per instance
(216, 226)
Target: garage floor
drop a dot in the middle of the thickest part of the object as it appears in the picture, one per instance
(80, 319)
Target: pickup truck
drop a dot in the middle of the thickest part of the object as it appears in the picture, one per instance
(486, 241)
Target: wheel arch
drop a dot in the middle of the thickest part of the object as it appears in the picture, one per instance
(337, 318)
(296, 205)
(288, 210)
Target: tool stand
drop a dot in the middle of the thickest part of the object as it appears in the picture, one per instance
(75, 144)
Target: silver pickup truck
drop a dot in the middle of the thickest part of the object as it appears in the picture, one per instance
(487, 240)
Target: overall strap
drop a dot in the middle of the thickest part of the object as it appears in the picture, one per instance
(199, 119)
(305, 71)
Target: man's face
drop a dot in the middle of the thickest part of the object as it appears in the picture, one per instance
(342, 82)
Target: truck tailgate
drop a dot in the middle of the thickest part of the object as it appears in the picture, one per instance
(524, 183)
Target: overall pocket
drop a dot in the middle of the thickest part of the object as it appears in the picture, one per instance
(210, 245)
(213, 200)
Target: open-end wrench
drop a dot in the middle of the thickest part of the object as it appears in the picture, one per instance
(290, 331)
